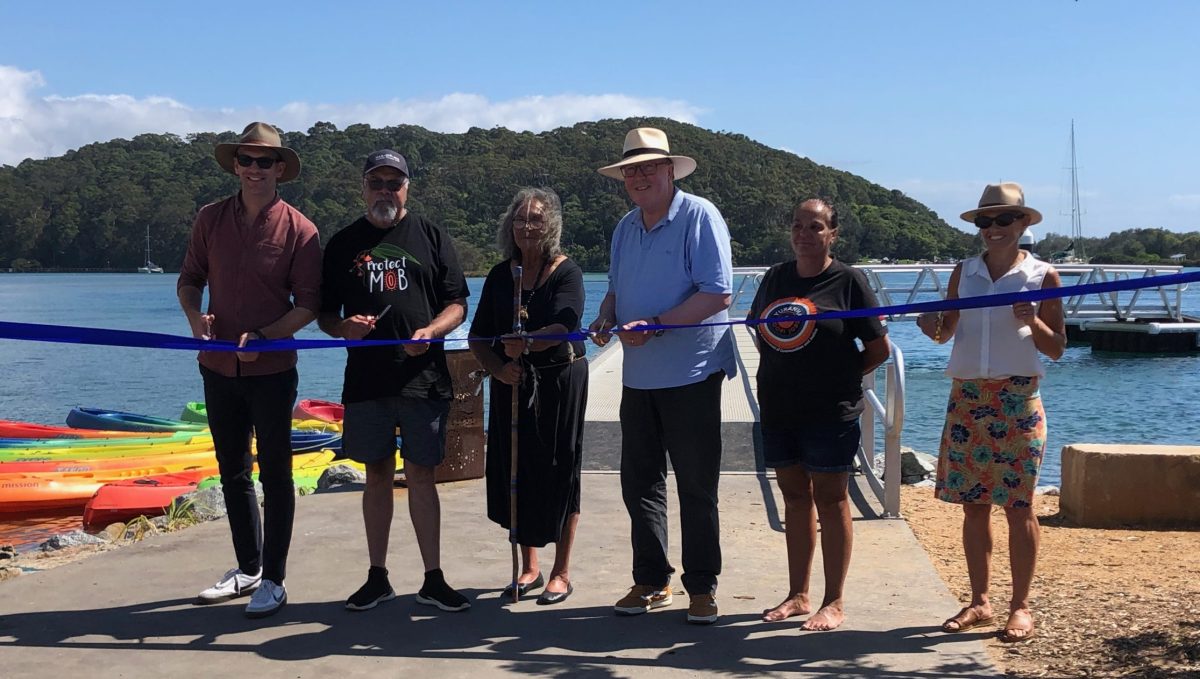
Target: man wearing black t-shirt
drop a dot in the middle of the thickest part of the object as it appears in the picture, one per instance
(394, 275)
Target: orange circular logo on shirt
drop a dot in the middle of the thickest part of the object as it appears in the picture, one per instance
(789, 332)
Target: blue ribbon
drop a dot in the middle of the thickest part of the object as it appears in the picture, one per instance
(152, 340)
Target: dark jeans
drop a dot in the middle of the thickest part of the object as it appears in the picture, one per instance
(685, 423)
(258, 406)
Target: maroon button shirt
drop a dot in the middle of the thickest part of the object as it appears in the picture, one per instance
(253, 274)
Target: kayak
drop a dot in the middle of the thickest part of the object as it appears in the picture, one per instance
(15, 429)
(315, 409)
(124, 500)
(30, 493)
(103, 452)
(123, 441)
(171, 462)
(194, 411)
(302, 442)
(115, 420)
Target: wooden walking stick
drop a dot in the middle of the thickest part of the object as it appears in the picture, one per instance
(518, 327)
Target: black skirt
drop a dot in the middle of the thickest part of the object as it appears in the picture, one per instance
(550, 453)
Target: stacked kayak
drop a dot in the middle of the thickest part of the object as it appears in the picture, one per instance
(194, 411)
(314, 409)
(14, 429)
(115, 420)
(42, 469)
(150, 496)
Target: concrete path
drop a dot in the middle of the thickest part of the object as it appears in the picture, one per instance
(128, 613)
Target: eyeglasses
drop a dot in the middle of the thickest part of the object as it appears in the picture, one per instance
(644, 169)
(1003, 219)
(393, 185)
(522, 223)
(265, 162)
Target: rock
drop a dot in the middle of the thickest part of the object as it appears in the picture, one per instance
(340, 474)
(8, 572)
(8, 552)
(925, 483)
(75, 538)
(114, 531)
(914, 466)
(1047, 490)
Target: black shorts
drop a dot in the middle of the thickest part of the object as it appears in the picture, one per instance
(370, 427)
(824, 447)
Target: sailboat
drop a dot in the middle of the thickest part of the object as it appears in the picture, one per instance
(1073, 254)
(149, 266)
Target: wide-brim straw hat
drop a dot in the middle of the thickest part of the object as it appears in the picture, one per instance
(648, 143)
(266, 136)
(1008, 195)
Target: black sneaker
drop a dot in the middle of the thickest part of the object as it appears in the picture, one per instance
(376, 590)
(435, 592)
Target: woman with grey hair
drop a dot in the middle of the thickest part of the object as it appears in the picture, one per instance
(552, 375)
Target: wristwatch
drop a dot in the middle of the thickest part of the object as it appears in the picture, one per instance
(660, 331)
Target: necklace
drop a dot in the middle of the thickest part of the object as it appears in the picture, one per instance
(527, 295)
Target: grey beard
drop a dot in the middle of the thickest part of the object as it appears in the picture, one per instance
(384, 212)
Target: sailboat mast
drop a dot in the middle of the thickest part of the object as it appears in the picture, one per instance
(1076, 214)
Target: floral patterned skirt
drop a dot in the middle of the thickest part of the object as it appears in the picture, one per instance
(992, 443)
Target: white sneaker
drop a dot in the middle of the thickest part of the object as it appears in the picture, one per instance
(233, 584)
(267, 600)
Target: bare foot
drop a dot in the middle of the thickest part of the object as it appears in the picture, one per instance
(829, 617)
(1019, 627)
(557, 584)
(969, 617)
(527, 577)
(796, 604)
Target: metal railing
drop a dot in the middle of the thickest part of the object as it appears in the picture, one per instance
(889, 412)
(906, 283)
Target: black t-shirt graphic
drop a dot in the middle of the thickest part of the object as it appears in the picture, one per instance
(811, 371)
(414, 268)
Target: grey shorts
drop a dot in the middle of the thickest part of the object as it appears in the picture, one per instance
(369, 431)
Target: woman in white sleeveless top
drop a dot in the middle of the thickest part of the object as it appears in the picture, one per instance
(995, 432)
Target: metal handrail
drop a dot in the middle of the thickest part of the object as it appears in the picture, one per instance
(932, 279)
(889, 412)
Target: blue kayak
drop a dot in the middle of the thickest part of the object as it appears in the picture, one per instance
(115, 420)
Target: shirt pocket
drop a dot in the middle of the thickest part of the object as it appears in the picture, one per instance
(269, 261)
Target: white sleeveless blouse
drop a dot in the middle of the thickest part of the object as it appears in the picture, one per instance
(991, 343)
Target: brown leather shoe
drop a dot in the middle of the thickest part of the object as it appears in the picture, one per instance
(703, 609)
(643, 598)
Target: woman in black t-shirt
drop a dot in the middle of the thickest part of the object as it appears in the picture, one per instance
(553, 377)
(810, 397)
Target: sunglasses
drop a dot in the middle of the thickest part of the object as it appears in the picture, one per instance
(1004, 219)
(646, 170)
(265, 162)
(393, 185)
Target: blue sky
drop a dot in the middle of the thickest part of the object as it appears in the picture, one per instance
(932, 98)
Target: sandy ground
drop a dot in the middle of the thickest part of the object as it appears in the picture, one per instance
(1108, 603)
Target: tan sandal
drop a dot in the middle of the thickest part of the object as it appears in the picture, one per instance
(966, 619)
(1007, 636)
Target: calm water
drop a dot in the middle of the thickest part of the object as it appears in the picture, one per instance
(1089, 397)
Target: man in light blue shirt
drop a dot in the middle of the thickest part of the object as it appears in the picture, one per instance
(670, 265)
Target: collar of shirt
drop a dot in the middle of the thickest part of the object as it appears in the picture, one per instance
(239, 209)
(676, 203)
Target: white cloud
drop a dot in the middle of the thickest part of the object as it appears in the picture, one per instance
(34, 126)
(1190, 201)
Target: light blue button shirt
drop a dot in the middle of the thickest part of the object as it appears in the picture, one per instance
(653, 271)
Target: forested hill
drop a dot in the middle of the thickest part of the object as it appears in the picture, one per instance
(91, 207)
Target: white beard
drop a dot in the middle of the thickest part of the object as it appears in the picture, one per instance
(384, 211)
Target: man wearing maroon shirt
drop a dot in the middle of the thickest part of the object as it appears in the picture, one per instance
(261, 261)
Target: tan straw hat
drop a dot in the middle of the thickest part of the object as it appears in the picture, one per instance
(1004, 195)
(648, 143)
(266, 136)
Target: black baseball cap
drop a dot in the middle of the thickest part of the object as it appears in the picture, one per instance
(386, 158)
